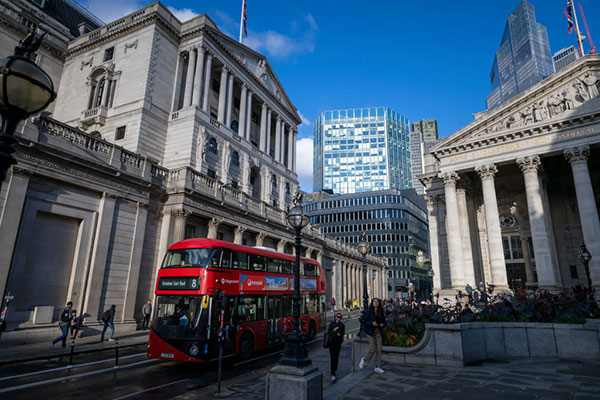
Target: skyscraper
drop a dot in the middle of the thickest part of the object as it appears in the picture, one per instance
(362, 149)
(564, 57)
(523, 58)
(423, 137)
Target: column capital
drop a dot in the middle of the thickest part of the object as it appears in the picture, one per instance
(487, 171)
(529, 163)
(577, 155)
(449, 178)
(264, 106)
(19, 171)
(240, 230)
(214, 223)
(181, 214)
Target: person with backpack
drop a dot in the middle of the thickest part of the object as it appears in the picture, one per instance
(146, 311)
(64, 321)
(335, 334)
(109, 321)
(374, 321)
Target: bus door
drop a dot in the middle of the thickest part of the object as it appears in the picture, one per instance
(229, 322)
(274, 321)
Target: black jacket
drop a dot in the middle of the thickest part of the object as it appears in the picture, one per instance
(337, 337)
(369, 317)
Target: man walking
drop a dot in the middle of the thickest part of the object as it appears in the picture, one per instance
(109, 321)
(64, 320)
(333, 305)
(146, 311)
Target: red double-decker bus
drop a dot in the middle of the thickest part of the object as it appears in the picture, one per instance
(258, 285)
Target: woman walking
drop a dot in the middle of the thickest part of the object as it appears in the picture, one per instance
(336, 332)
(374, 322)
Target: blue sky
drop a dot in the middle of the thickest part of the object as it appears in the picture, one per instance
(424, 59)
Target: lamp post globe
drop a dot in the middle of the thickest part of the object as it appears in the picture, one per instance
(411, 288)
(25, 89)
(295, 352)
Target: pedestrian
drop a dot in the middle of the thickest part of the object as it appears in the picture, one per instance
(355, 304)
(64, 321)
(469, 291)
(335, 332)
(146, 311)
(109, 321)
(374, 322)
(73, 324)
(333, 304)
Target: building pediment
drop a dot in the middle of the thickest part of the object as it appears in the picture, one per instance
(567, 95)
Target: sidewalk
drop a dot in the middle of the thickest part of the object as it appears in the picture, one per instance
(14, 353)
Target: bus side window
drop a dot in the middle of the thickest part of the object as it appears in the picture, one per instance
(274, 265)
(260, 307)
(215, 259)
(318, 270)
(287, 267)
(302, 269)
(286, 305)
(226, 258)
(257, 262)
(309, 269)
(246, 309)
(240, 260)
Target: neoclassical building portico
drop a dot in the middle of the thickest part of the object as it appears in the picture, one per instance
(511, 196)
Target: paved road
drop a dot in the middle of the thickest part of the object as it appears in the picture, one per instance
(138, 377)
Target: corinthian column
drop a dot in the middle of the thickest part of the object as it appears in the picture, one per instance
(242, 117)
(455, 250)
(213, 226)
(229, 110)
(492, 225)
(248, 117)
(434, 241)
(207, 78)
(588, 213)
(238, 235)
(277, 139)
(222, 95)
(198, 78)
(263, 128)
(189, 79)
(544, 262)
(465, 235)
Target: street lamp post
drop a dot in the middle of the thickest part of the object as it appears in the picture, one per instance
(364, 248)
(411, 289)
(430, 273)
(295, 353)
(585, 257)
(25, 89)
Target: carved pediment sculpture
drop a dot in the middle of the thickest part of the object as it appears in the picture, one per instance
(261, 71)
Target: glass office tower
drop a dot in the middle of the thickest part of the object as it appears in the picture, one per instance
(360, 150)
(523, 58)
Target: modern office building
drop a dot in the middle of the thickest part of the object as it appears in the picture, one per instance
(564, 57)
(397, 230)
(362, 149)
(523, 58)
(424, 136)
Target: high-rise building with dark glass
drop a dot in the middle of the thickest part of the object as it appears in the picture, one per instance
(524, 56)
(423, 137)
(362, 149)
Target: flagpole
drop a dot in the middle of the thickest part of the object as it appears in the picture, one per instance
(242, 20)
(579, 37)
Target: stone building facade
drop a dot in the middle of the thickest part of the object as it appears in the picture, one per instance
(161, 130)
(521, 185)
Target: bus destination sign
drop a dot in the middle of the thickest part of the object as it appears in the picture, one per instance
(178, 283)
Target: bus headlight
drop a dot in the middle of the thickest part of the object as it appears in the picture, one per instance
(194, 350)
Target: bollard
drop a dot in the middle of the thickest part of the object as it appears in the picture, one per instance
(72, 351)
(116, 353)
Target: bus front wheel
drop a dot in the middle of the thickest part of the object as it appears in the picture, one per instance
(246, 346)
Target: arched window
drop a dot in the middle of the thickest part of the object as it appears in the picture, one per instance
(99, 93)
(235, 159)
(212, 145)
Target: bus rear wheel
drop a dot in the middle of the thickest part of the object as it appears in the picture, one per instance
(246, 346)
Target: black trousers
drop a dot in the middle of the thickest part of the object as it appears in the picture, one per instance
(146, 321)
(334, 351)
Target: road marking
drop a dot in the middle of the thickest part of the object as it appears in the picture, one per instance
(153, 388)
(69, 367)
(66, 378)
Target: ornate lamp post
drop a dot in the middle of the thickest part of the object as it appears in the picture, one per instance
(585, 257)
(411, 289)
(295, 353)
(430, 274)
(364, 248)
(24, 90)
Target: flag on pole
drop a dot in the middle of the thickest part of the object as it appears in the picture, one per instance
(245, 19)
(569, 14)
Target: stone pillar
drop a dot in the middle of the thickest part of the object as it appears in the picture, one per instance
(248, 117)
(207, 78)
(492, 224)
(135, 262)
(10, 217)
(196, 96)
(531, 282)
(263, 128)
(238, 235)
(455, 248)
(106, 211)
(338, 279)
(260, 238)
(544, 262)
(294, 152)
(213, 227)
(434, 240)
(588, 214)
(180, 217)
(229, 110)
(242, 118)
(178, 77)
(308, 252)
(268, 150)
(290, 147)
(106, 93)
(277, 140)
(281, 245)
(189, 80)
(465, 235)
(222, 94)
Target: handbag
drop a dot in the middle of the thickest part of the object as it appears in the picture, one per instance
(326, 341)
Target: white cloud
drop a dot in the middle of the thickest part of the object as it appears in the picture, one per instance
(304, 163)
(183, 14)
(305, 120)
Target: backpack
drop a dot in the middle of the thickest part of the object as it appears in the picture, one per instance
(106, 316)
(65, 315)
